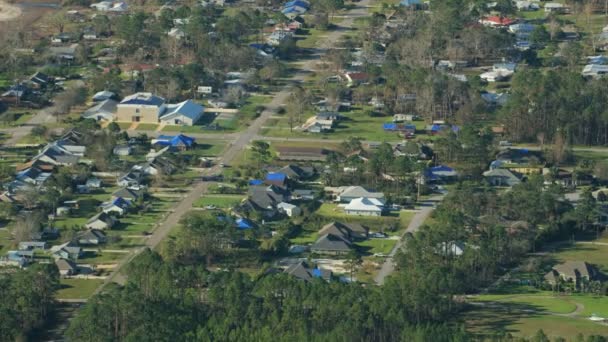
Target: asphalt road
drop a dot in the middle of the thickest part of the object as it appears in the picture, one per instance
(417, 221)
(243, 139)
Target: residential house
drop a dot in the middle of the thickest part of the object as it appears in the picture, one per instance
(289, 209)
(40, 80)
(47, 233)
(331, 244)
(411, 3)
(158, 165)
(93, 183)
(346, 194)
(502, 177)
(576, 272)
(32, 245)
(17, 258)
(185, 113)
(451, 248)
(264, 200)
(66, 267)
(15, 94)
(527, 5)
(92, 237)
(365, 206)
(497, 21)
(303, 271)
(595, 70)
(176, 33)
(56, 155)
(103, 96)
(276, 178)
(122, 150)
(297, 172)
(131, 178)
(101, 221)
(178, 142)
(64, 53)
(244, 223)
(33, 176)
(439, 173)
(117, 205)
(351, 231)
(103, 110)
(67, 250)
(129, 193)
(302, 194)
(555, 7)
(355, 78)
(140, 107)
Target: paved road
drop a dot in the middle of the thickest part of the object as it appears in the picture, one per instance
(243, 139)
(426, 209)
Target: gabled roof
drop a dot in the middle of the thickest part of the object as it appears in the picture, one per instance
(175, 141)
(304, 271)
(92, 234)
(331, 242)
(359, 191)
(143, 99)
(244, 223)
(188, 108)
(347, 230)
(365, 204)
(65, 265)
(106, 218)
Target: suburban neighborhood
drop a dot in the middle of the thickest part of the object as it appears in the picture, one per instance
(246, 170)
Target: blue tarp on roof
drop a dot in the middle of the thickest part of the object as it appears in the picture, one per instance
(316, 273)
(408, 3)
(255, 182)
(294, 9)
(121, 202)
(389, 126)
(178, 140)
(276, 177)
(244, 223)
(410, 126)
(296, 3)
(435, 128)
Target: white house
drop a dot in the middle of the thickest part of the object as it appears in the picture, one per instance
(289, 209)
(365, 207)
(348, 193)
(595, 70)
(184, 113)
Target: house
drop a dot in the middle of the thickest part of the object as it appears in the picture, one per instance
(65, 53)
(104, 110)
(348, 193)
(439, 173)
(555, 7)
(410, 3)
(32, 245)
(497, 21)
(302, 194)
(118, 205)
(101, 221)
(331, 244)
(33, 176)
(16, 259)
(397, 118)
(451, 248)
(365, 206)
(502, 177)
(303, 271)
(179, 142)
(244, 224)
(56, 155)
(176, 33)
(413, 150)
(15, 93)
(155, 166)
(519, 156)
(527, 5)
(122, 150)
(89, 33)
(264, 199)
(67, 250)
(140, 107)
(495, 99)
(40, 80)
(92, 237)
(355, 78)
(185, 113)
(103, 96)
(296, 172)
(289, 209)
(595, 70)
(93, 183)
(276, 178)
(131, 178)
(129, 193)
(47, 233)
(572, 271)
(350, 231)
(82, 189)
(66, 267)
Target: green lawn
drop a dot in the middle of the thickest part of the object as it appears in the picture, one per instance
(146, 127)
(78, 288)
(304, 238)
(594, 254)
(311, 39)
(372, 246)
(333, 212)
(220, 201)
(541, 301)
(357, 124)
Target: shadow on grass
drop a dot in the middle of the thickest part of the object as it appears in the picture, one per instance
(494, 319)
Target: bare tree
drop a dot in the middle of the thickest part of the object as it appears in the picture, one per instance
(26, 226)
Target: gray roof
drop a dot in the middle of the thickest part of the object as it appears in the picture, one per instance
(65, 265)
(106, 108)
(188, 108)
(331, 243)
(304, 272)
(359, 191)
(143, 99)
(92, 234)
(346, 230)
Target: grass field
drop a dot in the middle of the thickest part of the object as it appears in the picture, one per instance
(372, 246)
(304, 238)
(594, 254)
(333, 212)
(78, 288)
(146, 127)
(220, 201)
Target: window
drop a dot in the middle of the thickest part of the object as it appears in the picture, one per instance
(136, 110)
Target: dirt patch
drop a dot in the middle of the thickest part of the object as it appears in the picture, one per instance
(8, 11)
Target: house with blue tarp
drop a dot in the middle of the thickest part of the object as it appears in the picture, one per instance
(244, 224)
(256, 182)
(178, 142)
(301, 3)
(293, 11)
(410, 3)
(439, 173)
(276, 178)
(437, 128)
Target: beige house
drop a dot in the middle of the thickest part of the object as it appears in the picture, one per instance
(140, 107)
